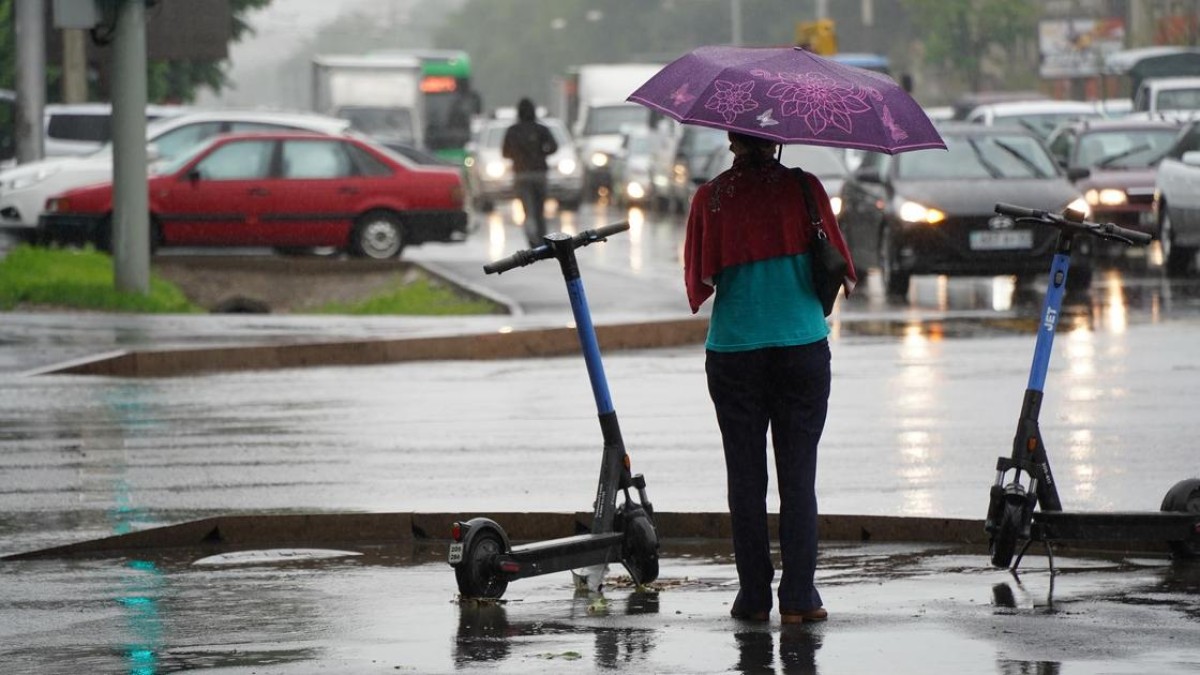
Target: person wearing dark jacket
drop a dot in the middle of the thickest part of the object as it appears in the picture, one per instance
(528, 143)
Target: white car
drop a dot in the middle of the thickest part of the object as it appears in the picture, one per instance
(490, 177)
(1168, 95)
(1040, 117)
(24, 189)
(83, 128)
(1177, 202)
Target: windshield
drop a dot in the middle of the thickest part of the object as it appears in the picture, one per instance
(394, 124)
(1130, 148)
(820, 161)
(969, 157)
(1043, 123)
(1179, 99)
(169, 166)
(610, 119)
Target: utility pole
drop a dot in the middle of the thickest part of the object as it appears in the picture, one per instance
(74, 68)
(130, 219)
(735, 20)
(31, 78)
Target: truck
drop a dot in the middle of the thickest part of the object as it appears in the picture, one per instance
(380, 95)
(592, 101)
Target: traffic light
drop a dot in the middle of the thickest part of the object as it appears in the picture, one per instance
(819, 37)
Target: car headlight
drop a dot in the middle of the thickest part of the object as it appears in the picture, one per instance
(635, 190)
(567, 166)
(496, 169)
(912, 212)
(29, 179)
(1107, 197)
(57, 205)
(1080, 204)
(836, 203)
(599, 159)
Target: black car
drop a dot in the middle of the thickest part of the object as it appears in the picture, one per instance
(932, 211)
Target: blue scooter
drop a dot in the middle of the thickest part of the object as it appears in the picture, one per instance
(1024, 479)
(484, 560)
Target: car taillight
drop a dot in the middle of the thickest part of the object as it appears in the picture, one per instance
(456, 531)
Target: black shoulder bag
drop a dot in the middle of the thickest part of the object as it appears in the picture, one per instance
(829, 266)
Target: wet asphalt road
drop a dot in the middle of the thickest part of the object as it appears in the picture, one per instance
(917, 420)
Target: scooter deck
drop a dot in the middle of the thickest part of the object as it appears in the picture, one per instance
(567, 553)
(1115, 526)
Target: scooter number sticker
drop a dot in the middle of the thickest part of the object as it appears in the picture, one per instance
(456, 553)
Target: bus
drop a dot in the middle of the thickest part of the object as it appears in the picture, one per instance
(449, 100)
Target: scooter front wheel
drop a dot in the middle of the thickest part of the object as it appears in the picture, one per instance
(1004, 540)
(477, 575)
(641, 549)
(1184, 497)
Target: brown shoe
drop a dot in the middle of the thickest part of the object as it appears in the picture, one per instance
(802, 616)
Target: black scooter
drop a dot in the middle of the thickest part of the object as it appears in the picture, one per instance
(1011, 518)
(484, 560)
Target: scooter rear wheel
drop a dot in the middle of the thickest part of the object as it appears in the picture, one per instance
(1004, 541)
(1184, 497)
(477, 575)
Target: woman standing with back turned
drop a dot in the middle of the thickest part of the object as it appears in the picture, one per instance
(767, 362)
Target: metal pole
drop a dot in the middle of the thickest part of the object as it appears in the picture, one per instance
(735, 10)
(131, 226)
(31, 78)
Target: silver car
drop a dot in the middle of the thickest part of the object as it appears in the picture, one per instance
(490, 176)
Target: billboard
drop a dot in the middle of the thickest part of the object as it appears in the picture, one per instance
(1072, 48)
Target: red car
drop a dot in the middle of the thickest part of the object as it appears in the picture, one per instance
(285, 190)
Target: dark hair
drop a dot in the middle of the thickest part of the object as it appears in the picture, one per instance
(755, 142)
(525, 110)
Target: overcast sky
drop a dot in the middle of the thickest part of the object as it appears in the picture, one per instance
(278, 27)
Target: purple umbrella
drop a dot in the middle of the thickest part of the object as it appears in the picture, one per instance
(789, 95)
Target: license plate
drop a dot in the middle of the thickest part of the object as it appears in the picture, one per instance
(984, 240)
(456, 554)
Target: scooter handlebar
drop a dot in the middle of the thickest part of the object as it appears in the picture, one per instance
(1103, 230)
(529, 256)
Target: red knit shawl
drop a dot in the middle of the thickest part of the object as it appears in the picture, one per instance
(753, 211)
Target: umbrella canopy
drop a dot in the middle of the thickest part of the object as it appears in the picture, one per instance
(789, 95)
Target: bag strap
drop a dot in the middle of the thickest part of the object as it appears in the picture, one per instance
(814, 213)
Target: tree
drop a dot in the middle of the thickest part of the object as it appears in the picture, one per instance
(176, 80)
(960, 34)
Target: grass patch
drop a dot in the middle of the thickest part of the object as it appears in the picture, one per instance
(79, 279)
(420, 297)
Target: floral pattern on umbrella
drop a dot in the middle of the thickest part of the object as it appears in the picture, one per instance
(731, 100)
(819, 99)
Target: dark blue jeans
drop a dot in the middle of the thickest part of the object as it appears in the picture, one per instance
(531, 190)
(786, 390)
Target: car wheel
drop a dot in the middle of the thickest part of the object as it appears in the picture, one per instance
(102, 237)
(895, 280)
(378, 235)
(156, 235)
(1176, 259)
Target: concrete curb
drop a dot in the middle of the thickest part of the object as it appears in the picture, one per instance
(349, 530)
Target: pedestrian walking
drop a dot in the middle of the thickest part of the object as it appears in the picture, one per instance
(528, 143)
(767, 362)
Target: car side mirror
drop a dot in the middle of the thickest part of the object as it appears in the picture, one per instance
(194, 175)
(1076, 173)
(1191, 158)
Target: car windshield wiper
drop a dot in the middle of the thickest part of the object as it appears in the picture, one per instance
(1029, 163)
(991, 168)
(1107, 161)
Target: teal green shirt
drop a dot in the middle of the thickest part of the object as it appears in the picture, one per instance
(766, 303)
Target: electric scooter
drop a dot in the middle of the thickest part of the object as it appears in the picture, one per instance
(1011, 515)
(483, 558)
